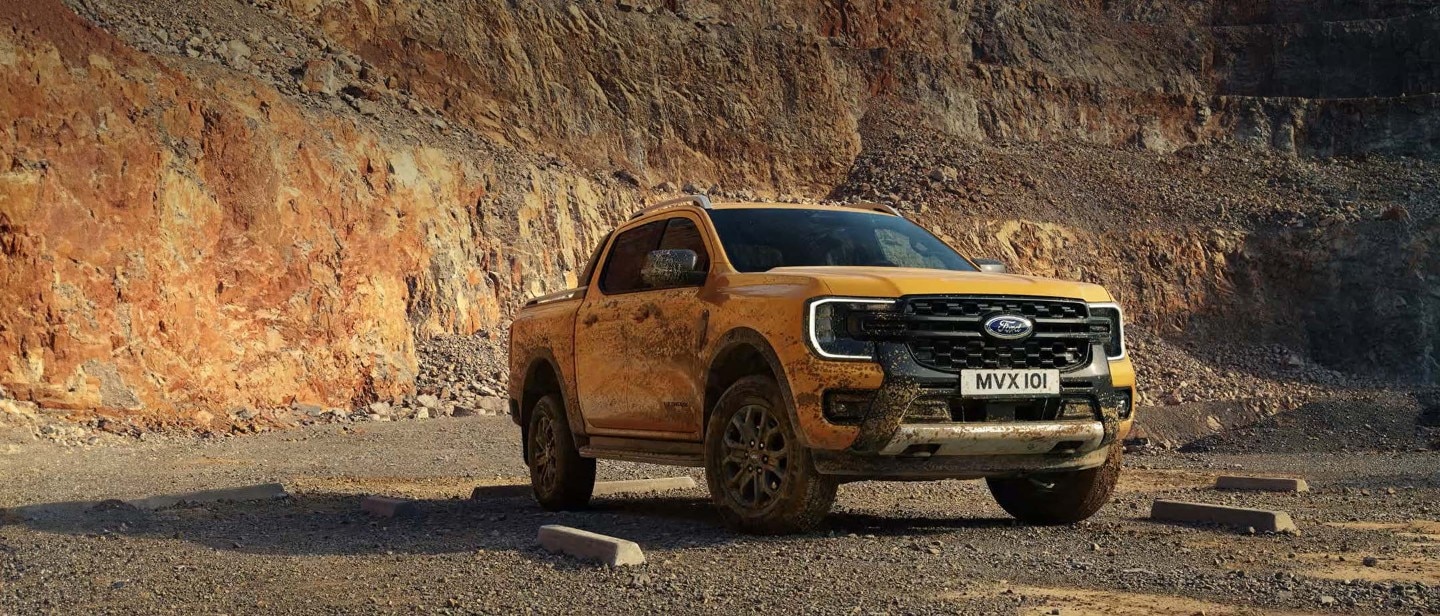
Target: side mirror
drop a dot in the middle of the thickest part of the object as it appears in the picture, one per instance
(992, 266)
(671, 268)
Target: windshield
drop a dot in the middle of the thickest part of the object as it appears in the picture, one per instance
(760, 239)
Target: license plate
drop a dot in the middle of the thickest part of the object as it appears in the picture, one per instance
(982, 383)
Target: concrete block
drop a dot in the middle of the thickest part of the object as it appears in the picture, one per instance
(590, 546)
(1262, 520)
(387, 507)
(603, 488)
(264, 491)
(1261, 484)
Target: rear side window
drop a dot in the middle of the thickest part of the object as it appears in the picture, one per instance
(627, 256)
(682, 233)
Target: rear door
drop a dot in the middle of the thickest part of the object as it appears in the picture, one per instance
(637, 348)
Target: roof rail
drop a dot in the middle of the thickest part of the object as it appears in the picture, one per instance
(699, 200)
(875, 207)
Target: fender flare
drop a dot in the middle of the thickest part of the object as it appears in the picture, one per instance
(536, 358)
(745, 336)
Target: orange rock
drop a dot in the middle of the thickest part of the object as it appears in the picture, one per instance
(175, 247)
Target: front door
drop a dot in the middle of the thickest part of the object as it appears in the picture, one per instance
(637, 348)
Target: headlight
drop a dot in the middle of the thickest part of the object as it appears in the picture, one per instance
(832, 321)
(1115, 328)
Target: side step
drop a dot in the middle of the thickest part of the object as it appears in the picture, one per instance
(667, 459)
(670, 453)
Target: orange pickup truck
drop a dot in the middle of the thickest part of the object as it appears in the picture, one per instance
(789, 348)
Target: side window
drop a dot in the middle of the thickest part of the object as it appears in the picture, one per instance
(682, 234)
(627, 256)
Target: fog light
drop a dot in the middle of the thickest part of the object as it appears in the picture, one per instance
(847, 407)
(1123, 404)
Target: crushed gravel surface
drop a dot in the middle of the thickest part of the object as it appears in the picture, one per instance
(896, 548)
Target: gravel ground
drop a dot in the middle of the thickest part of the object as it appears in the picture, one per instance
(896, 548)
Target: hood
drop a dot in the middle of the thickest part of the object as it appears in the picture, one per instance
(898, 281)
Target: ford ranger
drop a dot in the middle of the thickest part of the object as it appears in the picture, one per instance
(789, 348)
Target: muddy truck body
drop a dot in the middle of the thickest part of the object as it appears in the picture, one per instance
(789, 348)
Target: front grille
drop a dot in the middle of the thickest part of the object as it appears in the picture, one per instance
(951, 355)
(945, 332)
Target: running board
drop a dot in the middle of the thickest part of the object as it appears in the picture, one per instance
(668, 459)
(673, 453)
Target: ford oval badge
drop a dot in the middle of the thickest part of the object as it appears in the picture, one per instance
(1009, 327)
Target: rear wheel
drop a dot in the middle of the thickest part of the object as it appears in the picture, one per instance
(1058, 498)
(760, 477)
(561, 478)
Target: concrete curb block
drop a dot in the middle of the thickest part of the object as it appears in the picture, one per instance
(586, 545)
(387, 507)
(604, 488)
(265, 491)
(1261, 484)
(1261, 520)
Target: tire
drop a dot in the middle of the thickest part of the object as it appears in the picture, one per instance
(1070, 497)
(560, 477)
(766, 484)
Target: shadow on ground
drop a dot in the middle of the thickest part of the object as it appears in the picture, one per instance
(309, 524)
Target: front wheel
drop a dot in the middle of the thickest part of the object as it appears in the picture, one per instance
(760, 477)
(561, 478)
(1058, 498)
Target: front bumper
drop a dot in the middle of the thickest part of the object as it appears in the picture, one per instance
(988, 439)
(849, 466)
(889, 447)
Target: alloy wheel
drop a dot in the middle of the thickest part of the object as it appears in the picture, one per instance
(544, 452)
(756, 459)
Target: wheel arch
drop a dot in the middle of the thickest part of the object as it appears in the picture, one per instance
(739, 353)
(542, 377)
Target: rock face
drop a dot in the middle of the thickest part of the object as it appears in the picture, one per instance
(177, 242)
(683, 89)
(208, 205)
